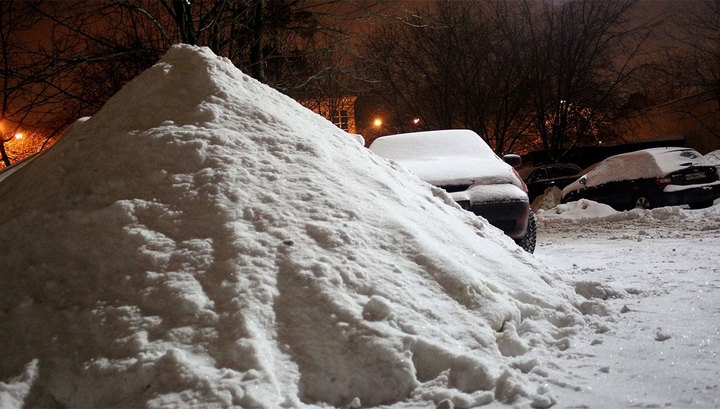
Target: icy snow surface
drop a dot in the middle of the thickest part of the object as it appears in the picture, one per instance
(204, 241)
(659, 273)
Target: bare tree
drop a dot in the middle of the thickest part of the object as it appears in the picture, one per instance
(455, 64)
(697, 63)
(32, 108)
(80, 53)
(580, 57)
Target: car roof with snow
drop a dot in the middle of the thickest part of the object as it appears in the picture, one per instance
(445, 157)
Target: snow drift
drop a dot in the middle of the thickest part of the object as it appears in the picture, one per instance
(204, 241)
(586, 211)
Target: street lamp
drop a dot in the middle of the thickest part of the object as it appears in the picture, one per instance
(18, 135)
(377, 122)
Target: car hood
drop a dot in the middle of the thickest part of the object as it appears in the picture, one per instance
(453, 171)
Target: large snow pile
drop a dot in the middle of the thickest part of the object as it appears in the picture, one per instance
(204, 241)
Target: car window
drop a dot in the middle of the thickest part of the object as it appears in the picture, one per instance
(537, 174)
(690, 154)
(432, 145)
(560, 172)
(552, 172)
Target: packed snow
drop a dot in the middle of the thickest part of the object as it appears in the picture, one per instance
(659, 273)
(205, 241)
(713, 157)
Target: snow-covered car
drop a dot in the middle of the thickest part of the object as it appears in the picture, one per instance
(649, 178)
(541, 177)
(460, 162)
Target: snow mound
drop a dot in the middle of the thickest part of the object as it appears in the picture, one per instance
(581, 210)
(205, 241)
(713, 157)
(589, 211)
(549, 199)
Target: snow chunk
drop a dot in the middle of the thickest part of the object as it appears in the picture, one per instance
(377, 309)
(13, 393)
(582, 209)
(549, 199)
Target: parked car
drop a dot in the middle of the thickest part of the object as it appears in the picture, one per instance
(460, 162)
(541, 177)
(649, 178)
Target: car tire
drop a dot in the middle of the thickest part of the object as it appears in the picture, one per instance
(642, 202)
(527, 242)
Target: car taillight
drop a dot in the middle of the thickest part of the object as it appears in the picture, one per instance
(662, 182)
(517, 175)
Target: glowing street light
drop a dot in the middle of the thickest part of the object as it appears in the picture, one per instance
(416, 121)
(18, 135)
(377, 122)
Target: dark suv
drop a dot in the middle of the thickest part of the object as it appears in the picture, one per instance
(541, 177)
(460, 162)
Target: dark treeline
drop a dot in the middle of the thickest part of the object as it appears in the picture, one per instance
(524, 74)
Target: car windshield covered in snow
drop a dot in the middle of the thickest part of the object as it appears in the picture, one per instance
(446, 158)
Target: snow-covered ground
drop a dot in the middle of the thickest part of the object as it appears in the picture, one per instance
(659, 271)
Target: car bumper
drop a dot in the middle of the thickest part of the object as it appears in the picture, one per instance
(504, 205)
(510, 217)
(699, 194)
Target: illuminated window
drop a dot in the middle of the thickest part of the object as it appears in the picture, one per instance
(341, 119)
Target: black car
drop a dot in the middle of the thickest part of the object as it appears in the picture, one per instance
(649, 178)
(541, 177)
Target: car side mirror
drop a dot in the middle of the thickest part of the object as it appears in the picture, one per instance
(583, 180)
(513, 160)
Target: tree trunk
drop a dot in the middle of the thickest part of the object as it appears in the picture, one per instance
(257, 59)
(5, 158)
(184, 22)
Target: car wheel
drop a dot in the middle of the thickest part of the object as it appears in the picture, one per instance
(701, 205)
(641, 202)
(527, 242)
